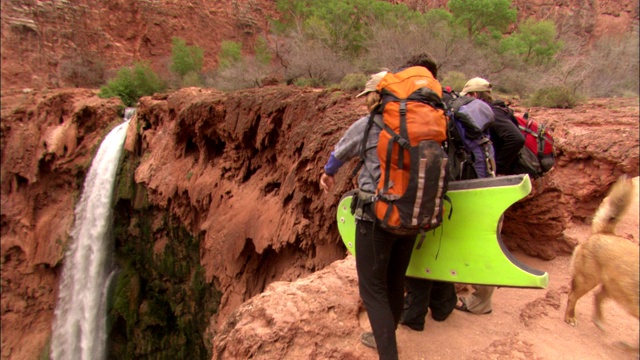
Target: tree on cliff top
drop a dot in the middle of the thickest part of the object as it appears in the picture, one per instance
(131, 83)
(186, 62)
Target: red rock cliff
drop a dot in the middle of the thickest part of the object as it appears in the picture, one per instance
(42, 38)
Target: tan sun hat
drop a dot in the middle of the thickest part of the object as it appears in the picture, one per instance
(372, 83)
(476, 84)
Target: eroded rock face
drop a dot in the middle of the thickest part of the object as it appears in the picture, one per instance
(596, 143)
(48, 141)
(287, 319)
(240, 171)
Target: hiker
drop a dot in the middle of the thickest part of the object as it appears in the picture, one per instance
(422, 295)
(382, 257)
(473, 120)
(507, 141)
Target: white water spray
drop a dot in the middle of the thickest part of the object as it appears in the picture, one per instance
(79, 328)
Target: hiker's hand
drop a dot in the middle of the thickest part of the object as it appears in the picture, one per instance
(326, 182)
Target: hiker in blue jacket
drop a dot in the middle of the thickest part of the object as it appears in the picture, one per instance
(441, 297)
(507, 141)
(438, 296)
(382, 258)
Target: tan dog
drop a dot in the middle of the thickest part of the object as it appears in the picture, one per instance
(606, 259)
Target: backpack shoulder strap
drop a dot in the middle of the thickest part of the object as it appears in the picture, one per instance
(459, 102)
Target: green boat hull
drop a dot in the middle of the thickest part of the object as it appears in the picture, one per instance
(467, 247)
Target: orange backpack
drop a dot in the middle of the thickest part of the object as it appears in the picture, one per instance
(414, 172)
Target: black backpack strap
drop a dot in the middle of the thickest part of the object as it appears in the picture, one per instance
(490, 162)
(429, 97)
(457, 103)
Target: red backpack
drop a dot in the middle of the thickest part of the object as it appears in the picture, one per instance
(538, 154)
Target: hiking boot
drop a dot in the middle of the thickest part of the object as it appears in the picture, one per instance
(415, 327)
(411, 323)
(367, 339)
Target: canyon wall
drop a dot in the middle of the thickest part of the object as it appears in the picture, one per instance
(43, 40)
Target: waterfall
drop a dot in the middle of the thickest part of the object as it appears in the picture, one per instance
(79, 328)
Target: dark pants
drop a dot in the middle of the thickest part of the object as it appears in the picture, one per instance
(423, 295)
(382, 259)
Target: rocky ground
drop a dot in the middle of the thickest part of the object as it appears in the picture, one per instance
(525, 323)
(528, 324)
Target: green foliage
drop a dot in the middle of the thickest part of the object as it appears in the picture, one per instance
(353, 82)
(435, 16)
(320, 42)
(343, 25)
(455, 79)
(534, 41)
(162, 303)
(185, 59)
(307, 82)
(192, 78)
(130, 84)
(230, 54)
(561, 97)
(478, 16)
(261, 50)
(126, 298)
(125, 183)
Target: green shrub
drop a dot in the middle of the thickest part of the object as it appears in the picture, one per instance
(455, 79)
(534, 42)
(560, 97)
(478, 16)
(307, 82)
(130, 84)
(192, 78)
(353, 82)
(230, 53)
(261, 49)
(185, 59)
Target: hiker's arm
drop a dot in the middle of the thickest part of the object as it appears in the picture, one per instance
(349, 145)
(346, 149)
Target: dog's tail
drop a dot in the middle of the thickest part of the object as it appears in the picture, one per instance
(613, 207)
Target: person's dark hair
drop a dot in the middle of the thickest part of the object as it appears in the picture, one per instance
(425, 60)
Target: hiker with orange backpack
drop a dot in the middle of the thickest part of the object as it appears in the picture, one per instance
(382, 251)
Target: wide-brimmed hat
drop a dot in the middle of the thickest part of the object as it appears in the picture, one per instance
(372, 83)
(476, 84)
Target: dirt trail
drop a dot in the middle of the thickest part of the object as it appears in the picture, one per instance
(528, 323)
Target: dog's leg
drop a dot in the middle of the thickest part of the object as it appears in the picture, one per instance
(580, 285)
(599, 299)
(577, 291)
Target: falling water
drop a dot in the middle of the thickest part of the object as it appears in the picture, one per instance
(79, 328)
